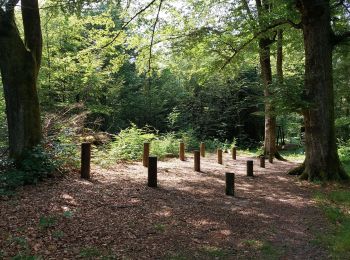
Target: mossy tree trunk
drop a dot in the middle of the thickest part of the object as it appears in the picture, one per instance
(19, 64)
(322, 160)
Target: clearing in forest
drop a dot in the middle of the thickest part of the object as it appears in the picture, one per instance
(116, 216)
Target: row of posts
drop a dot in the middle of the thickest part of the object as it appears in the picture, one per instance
(151, 163)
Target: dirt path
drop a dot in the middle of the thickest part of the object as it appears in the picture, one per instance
(188, 217)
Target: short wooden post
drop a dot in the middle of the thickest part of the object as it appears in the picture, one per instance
(262, 161)
(202, 149)
(145, 154)
(270, 158)
(250, 169)
(219, 156)
(85, 160)
(234, 153)
(230, 183)
(197, 161)
(152, 171)
(182, 151)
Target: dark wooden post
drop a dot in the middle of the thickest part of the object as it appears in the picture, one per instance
(85, 160)
(152, 171)
(145, 154)
(250, 169)
(230, 183)
(219, 156)
(197, 161)
(182, 151)
(270, 158)
(262, 161)
(234, 153)
(202, 149)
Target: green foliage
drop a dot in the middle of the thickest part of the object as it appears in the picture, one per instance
(344, 150)
(166, 145)
(47, 222)
(336, 206)
(36, 165)
(90, 253)
(129, 142)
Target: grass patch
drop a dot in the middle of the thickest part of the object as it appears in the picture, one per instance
(336, 206)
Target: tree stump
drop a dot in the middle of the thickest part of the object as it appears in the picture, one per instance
(250, 169)
(202, 149)
(85, 160)
(234, 153)
(182, 151)
(262, 161)
(219, 156)
(152, 171)
(145, 154)
(230, 184)
(197, 161)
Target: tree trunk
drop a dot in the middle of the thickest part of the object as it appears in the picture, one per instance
(270, 118)
(19, 65)
(266, 75)
(322, 161)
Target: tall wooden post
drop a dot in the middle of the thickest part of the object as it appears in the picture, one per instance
(219, 156)
(234, 153)
(197, 161)
(145, 154)
(230, 183)
(202, 149)
(182, 151)
(85, 160)
(250, 169)
(152, 171)
(262, 161)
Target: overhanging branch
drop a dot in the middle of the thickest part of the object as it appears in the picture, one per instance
(273, 25)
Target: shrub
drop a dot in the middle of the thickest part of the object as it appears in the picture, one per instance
(36, 165)
(165, 146)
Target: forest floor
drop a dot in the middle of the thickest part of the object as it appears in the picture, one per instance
(116, 216)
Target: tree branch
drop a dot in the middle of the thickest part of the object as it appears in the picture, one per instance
(128, 22)
(275, 24)
(32, 29)
(152, 38)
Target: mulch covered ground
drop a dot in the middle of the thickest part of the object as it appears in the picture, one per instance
(116, 216)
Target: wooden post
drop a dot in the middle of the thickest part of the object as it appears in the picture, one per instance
(219, 156)
(262, 161)
(250, 169)
(230, 184)
(85, 160)
(152, 171)
(234, 153)
(145, 154)
(270, 158)
(197, 161)
(182, 151)
(202, 148)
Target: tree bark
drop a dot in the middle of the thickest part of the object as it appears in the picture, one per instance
(322, 160)
(19, 65)
(266, 75)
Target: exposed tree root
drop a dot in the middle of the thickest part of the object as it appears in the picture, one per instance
(279, 157)
(297, 171)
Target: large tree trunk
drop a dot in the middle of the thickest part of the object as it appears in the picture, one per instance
(19, 65)
(270, 118)
(322, 161)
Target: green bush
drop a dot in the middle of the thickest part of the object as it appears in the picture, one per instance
(37, 165)
(128, 145)
(344, 150)
(165, 146)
